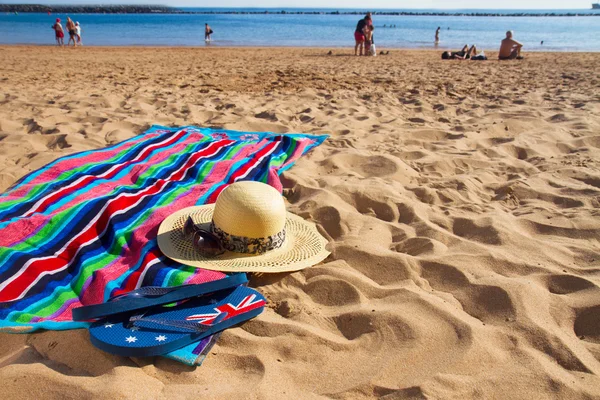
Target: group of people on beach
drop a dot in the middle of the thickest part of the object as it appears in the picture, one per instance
(74, 30)
(363, 35)
(510, 49)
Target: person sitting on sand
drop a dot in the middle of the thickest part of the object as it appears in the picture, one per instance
(78, 33)
(58, 33)
(510, 49)
(359, 35)
(71, 29)
(465, 54)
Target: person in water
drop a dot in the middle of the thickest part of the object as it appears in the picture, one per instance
(58, 33)
(359, 34)
(207, 33)
(510, 49)
(437, 35)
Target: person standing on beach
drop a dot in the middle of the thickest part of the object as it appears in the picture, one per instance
(71, 29)
(58, 33)
(78, 33)
(437, 35)
(207, 33)
(369, 46)
(371, 27)
(510, 49)
(359, 34)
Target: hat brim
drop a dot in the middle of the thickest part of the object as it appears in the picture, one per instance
(303, 247)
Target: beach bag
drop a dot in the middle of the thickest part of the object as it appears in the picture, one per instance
(372, 50)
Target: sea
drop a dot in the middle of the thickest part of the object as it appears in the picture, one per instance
(538, 33)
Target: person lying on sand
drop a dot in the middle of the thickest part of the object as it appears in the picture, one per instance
(510, 49)
(465, 54)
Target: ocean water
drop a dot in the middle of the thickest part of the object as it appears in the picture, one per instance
(580, 33)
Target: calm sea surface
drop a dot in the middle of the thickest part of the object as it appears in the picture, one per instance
(558, 33)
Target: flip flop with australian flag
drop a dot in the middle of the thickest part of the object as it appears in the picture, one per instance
(166, 328)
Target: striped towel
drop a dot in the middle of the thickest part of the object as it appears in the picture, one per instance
(83, 228)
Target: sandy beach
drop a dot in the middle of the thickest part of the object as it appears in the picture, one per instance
(461, 200)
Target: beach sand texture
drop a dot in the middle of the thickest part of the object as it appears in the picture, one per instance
(461, 199)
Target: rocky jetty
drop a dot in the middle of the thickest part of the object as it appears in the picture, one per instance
(147, 9)
(400, 13)
(87, 9)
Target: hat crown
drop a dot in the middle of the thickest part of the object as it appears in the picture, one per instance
(250, 209)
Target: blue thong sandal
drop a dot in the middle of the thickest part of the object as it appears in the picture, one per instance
(150, 296)
(163, 329)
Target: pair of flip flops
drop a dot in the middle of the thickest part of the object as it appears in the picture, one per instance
(147, 322)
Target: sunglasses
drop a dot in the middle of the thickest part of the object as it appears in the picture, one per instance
(204, 242)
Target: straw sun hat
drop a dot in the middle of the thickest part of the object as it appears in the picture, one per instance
(250, 221)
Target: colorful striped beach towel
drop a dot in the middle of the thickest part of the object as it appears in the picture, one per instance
(83, 228)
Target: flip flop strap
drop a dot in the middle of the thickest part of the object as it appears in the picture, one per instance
(150, 296)
(189, 326)
(208, 287)
(155, 291)
(146, 291)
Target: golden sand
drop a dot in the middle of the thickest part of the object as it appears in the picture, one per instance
(462, 201)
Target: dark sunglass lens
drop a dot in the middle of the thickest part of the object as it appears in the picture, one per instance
(189, 228)
(206, 244)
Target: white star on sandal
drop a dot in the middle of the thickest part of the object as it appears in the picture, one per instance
(161, 338)
(107, 325)
(131, 339)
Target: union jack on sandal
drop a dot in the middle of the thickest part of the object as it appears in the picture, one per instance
(164, 329)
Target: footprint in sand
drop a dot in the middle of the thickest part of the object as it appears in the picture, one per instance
(587, 324)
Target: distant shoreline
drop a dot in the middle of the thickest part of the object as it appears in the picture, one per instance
(152, 9)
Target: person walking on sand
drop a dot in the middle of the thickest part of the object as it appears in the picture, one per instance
(510, 49)
(58, 33)
(437, 35)
(70, 25)
(359, 34)
(207, 33)
(78, 33)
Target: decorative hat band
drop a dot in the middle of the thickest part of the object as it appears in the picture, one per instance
(243, 244)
